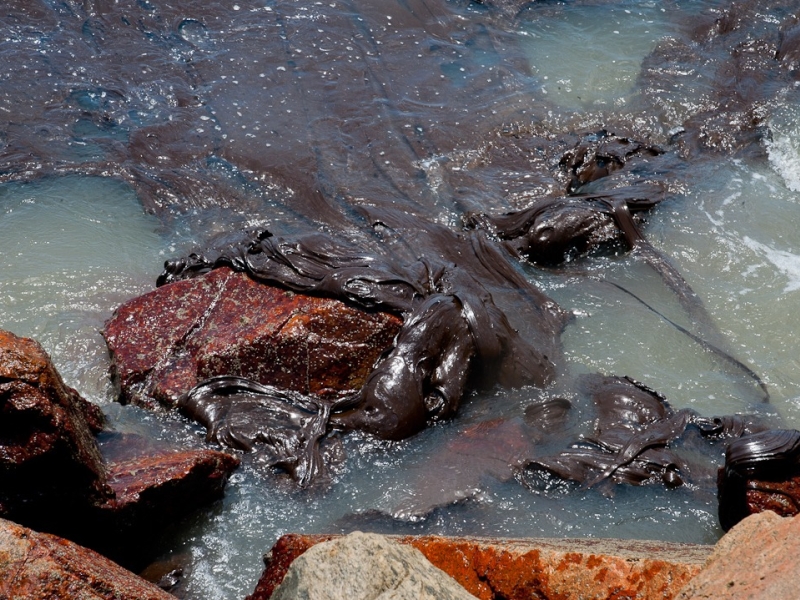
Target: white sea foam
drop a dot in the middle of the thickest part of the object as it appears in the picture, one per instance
(783, 148)
(786, 262)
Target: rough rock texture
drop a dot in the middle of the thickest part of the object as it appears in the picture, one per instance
(151, 493)
(49, 462)
(224, 323)
(54, 476)
(524, 569)
(171, 483)
(366, 566)
(37, 566)
(755, 559)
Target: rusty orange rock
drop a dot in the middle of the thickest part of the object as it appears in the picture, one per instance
(524, 569)
(224, 323)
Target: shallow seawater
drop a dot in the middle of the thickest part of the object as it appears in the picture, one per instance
(74, 248)
(576, 72)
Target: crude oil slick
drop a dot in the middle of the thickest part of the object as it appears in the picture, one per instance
(144, 130)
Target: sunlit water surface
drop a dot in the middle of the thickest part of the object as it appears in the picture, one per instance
(75, 248)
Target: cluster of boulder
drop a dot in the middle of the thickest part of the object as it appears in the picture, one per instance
(55, 478)
(361, 566)
(117, 496)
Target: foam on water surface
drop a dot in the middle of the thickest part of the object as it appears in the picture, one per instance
(783, 144)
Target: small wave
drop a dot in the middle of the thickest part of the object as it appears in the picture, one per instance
(786, 262)
(784, 148)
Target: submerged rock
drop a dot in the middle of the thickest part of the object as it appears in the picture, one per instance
(491, 450)
(531, 568)
(362, 566)
(50, 466)
(164, 343)
(38, 565)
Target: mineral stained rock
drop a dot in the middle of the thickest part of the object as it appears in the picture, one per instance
(171, 482)
(49, 462)
(362, 566)
(755, 559)
(534, 568)
(38, 565)
(223, 323)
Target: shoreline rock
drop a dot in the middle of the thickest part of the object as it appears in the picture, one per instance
(50, 465)
(55, 478)
(364, 566)
(39, 565)
(526, 568)
(152, 493)
(165, 342)
(757, 558)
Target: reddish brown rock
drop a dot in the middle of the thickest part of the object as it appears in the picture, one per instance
(34, 566)
(524, 569)
(755, 559)
(49, 462)
(166, 486)
(224, 323)
(154, 486)
(53, 476)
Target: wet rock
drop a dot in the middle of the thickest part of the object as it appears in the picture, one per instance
(224, 323)
(170, 484)
(37, 565)
(761, 473)
(153, 492)
(55, 477)
(154, 487)
(49, 463)
(533, 568)
(364, 566)
(767, 546)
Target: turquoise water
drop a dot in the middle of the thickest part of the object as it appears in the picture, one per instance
(74, 248)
